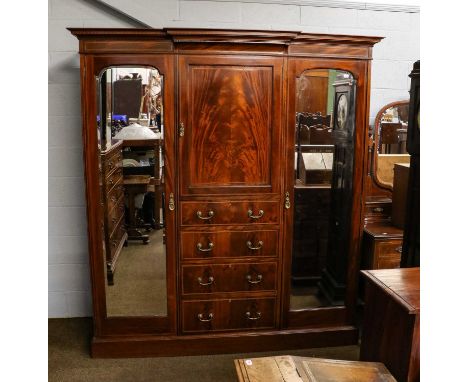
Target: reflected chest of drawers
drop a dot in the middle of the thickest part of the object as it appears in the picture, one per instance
(113, 204)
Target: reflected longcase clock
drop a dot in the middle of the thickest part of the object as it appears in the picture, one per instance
(333, 281)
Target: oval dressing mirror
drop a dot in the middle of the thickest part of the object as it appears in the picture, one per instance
(391, 125)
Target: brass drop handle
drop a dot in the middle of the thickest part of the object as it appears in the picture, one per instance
(210, 215)
(249, 316)
(377, 209)
(250, 281)
(252, 216)
(250, 245)
(210, 281)
(210, 317)
(399, 249)
(287, 201)
(201, 249)
(171, 202)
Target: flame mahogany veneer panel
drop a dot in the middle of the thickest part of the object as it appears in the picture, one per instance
(231, 111)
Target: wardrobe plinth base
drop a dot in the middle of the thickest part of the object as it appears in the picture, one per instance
(245, 342)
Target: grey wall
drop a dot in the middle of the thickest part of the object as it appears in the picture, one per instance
(69, 286)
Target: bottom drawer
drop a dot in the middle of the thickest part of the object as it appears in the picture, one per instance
(232, 314)
(388, 254)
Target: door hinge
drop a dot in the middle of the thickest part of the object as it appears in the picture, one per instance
(181, 129)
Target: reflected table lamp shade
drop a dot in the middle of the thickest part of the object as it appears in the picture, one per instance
(136, 131)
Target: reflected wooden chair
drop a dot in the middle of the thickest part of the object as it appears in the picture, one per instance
(389, 136)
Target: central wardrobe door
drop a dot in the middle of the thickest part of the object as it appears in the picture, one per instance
(229, 124)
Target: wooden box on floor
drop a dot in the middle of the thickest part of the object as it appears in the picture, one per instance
(308, 369)
(390, 331)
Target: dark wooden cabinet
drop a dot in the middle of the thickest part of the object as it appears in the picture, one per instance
(382, 246)
(390, 329)
(229, 121)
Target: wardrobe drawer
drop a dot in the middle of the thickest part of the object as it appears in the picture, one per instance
(389, 247)
(217, 315)
(388, 262)
(378, 211)
(238, 212)
(218, 244)
(216, 278)
(388, 254)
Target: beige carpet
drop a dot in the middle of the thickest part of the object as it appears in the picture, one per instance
(69, 360)
(306, 298)
(140, 280)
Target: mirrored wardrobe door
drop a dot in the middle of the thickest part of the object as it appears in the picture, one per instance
(322, 175)
(131, 143)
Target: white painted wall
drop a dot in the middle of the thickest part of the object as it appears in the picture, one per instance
(69, 285)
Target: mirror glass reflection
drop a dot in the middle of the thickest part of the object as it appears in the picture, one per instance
(323, 164)
(391, 126)
(130, 129)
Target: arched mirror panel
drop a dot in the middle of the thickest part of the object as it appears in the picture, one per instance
(323, 171)
(130, 130)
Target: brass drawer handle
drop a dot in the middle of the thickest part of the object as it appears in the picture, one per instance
(210, 215)
(252, 216)
(210, 247)
(399, 249)
(210, 281)
(249, 316)
(377, 209)
(210, 317)
(250, 245)
(250, 281)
